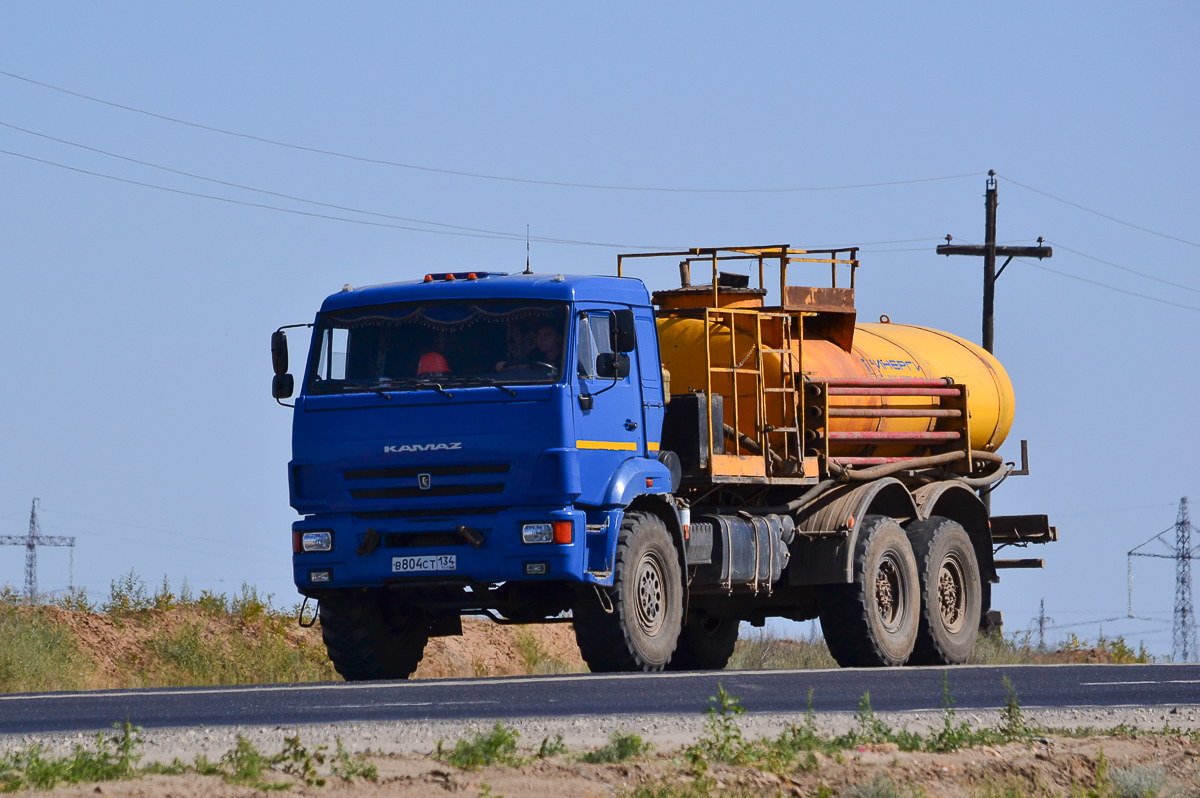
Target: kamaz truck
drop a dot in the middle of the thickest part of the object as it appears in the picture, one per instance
(653, 469)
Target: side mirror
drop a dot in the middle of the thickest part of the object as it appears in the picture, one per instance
(279, 353)
(624, 336)
(282, 386)
(612, 364)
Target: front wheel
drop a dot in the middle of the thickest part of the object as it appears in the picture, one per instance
(873, 620)
(367, 637)
(950, 592)
(634, 625)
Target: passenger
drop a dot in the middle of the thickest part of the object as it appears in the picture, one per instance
(432, 366)
(548, 350)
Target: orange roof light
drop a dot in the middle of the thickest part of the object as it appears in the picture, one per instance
(449, 276)
(472, 276)
(429, 278)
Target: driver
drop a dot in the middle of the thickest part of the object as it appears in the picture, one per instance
(548, 349)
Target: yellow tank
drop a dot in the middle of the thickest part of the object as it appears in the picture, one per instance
(879, 351)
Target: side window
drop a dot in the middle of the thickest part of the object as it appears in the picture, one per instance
(332, 363)
(595, 338)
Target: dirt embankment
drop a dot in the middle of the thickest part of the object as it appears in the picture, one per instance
(1102, 767)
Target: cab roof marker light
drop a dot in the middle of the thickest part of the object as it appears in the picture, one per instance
(472, 276)
(428, 278)
(449, 276)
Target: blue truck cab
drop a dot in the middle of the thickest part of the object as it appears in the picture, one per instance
(470, 442)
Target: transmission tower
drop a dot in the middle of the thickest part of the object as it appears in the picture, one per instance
(31, 541)
(1183, 629)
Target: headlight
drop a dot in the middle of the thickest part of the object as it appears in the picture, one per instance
(316, 541)
(537, 533)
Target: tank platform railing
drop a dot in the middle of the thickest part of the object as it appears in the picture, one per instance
(949, 422)
(783, 253)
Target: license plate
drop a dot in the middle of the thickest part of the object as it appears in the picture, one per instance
(429, 562)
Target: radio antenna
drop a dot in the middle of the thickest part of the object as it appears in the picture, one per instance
(527, 269)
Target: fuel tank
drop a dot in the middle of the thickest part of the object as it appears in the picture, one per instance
(878, 350)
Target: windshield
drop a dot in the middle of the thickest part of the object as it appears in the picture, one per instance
(416, 344)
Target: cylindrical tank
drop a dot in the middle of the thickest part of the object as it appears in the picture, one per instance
(879, 351)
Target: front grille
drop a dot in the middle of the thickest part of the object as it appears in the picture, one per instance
(395, 540)
(428, 513)
(438, 480)
(436, 490)
(435, 471)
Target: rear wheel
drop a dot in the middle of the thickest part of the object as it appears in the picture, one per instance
(705, 644)
(368, 637)
(634, 625)
(950, 592)
(873, 621)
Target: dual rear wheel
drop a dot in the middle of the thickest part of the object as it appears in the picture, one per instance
(915, 596)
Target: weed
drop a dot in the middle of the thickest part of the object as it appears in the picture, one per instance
(870, 728)
(244, 764)
(212, 603)
(75, 599)
(551, 748)
(485, 791)
(349, 768)
(164, 599)
(113, 757)
(621, 746)
(530, 649)
(883, 787)
(1142, 781)
(723, 739)
(298, 761)
(497, 746)
(1013, 725)
(248, 606)
(127, 595)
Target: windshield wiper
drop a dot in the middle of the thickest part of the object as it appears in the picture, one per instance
(383, 386)
(467, 382)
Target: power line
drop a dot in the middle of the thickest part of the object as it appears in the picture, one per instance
(311, 214)
(229, 184)
(1113, 288)
(475, 175)
(1095, 212)
(1125, 268)
(185, 535)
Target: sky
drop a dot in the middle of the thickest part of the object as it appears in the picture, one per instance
(140, 301)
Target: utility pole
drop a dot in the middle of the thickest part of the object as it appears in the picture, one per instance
(31, 541)
(988, 252)
(1183, 629)
(1042, 627)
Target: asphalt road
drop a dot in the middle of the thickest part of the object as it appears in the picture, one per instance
(899, 689)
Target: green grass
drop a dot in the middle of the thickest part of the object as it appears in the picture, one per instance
(621, 746)
(766, 651)
(36, 654)
(182, 639)
(497, 745)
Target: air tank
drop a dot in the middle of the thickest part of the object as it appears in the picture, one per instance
(879, 350)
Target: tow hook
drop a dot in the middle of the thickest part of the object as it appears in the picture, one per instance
(470, 535)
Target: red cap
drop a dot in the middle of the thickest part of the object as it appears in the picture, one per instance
(433, 363)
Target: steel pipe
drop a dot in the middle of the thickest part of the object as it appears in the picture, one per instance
(894, 437)
(894, 391)
(891, 412)
(900, 382)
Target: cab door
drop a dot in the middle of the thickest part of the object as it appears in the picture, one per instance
(609, 421)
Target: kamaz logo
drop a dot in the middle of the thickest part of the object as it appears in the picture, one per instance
(423, 447)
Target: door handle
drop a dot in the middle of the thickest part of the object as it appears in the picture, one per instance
(630, 424)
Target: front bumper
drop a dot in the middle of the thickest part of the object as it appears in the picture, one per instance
(501, 557)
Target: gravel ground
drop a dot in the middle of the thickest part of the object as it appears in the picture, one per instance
(665, 731)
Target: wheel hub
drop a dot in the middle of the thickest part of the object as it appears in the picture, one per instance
(889, 594)
(649, 600)
(951, 595)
